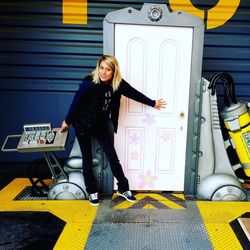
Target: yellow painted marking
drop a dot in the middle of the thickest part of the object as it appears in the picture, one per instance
(168, 203)
(217, 15)
(180, 196)
(125, 204)
(221, 13)
(217, 216)
(78, 214)
(74, 236)
(187, 6)
(74, 12)
(149, 206)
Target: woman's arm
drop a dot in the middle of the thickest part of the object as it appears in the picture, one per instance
(83, 88)
(130, 92)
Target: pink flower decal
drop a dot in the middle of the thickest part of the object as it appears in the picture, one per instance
(149, 119)
(134, 138)
(147, 179)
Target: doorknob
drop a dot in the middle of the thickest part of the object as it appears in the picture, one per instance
(181, 114)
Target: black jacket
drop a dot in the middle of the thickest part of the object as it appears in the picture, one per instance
(88, 99)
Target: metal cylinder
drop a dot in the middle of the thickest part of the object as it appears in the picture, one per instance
(237, 121)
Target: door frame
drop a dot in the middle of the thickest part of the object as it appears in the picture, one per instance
(158, 14)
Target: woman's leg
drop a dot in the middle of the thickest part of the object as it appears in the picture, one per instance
(105, 139)
(85, 144)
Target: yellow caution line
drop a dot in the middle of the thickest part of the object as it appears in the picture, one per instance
(74, 236)
(78, 215)
(217, 216)
(180, 196)
(168, 203)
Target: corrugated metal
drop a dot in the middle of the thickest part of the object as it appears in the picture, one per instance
(42, 60)
(226, 48)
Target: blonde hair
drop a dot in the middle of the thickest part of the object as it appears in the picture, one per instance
(114, 65)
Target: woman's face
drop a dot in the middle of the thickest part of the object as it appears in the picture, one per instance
(105, 72)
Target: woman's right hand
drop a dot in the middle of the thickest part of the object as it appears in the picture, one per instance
(160, 104)
(64, 126)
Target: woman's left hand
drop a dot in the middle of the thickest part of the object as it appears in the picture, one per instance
(159, 104)
(64, 126)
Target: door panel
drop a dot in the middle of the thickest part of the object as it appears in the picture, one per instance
(151, 144)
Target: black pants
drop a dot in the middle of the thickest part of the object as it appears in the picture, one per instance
(104, 135)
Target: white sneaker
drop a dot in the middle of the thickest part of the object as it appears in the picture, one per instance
(94, 199)
(127, 195)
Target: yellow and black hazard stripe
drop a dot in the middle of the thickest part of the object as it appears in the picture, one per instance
(241, 228)
(164, 200)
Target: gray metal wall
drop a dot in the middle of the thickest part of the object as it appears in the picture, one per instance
(42, 60)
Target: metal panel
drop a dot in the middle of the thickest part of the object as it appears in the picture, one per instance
(156, 229)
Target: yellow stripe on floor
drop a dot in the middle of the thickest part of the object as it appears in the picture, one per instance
(78, 214)
(150, 205)
(217, 216)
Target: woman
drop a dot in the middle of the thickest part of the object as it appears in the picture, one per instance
(95, 104)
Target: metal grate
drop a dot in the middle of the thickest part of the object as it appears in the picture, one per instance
(26, 194)
(148, 236)
(148, 229)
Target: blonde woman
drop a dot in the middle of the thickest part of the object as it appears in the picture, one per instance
(95, 106)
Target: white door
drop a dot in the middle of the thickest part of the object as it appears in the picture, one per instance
(151, 144)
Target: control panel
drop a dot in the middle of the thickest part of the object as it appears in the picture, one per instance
(41, 137)
(40, 133)
(38, 137)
